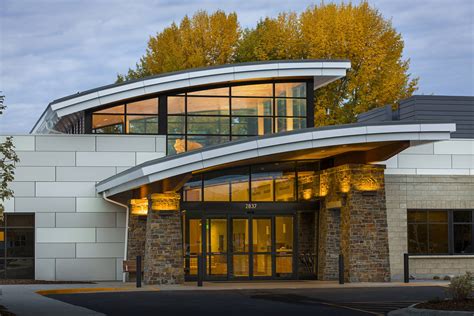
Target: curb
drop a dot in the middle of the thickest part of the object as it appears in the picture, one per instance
(87, 290)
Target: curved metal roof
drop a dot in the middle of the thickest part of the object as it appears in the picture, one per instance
(327, 141)
(323, 72)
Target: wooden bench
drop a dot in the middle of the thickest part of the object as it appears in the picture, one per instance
(130, 266)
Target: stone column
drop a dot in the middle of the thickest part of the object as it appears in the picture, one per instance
(359, 192)
(163, 246)
(136, 239)
(329, 243)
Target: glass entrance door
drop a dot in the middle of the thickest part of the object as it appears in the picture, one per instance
(216, 239)
(243, 247)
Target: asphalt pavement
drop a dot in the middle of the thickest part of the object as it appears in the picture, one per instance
(320, 301)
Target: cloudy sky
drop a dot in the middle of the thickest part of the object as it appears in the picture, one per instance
(53, 48)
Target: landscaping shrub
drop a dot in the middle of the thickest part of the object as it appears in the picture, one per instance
(461, 287)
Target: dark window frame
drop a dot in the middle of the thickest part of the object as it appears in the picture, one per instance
(182, 92)
(6, 227)
(451, 224)
(296, 168)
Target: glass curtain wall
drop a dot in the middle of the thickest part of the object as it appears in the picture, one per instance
(132, 118)
(214, 116)
(273, 182)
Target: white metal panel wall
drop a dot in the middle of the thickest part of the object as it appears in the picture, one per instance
(79, 236)
(450, 157)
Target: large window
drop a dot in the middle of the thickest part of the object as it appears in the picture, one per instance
(440, 231)
(17, 244)
(257, 183)
(139, 117)
(214, 116)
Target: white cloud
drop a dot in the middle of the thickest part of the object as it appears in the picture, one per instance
(51, 48)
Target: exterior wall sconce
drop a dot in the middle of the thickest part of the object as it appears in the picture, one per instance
(139, 207)
(165, 201)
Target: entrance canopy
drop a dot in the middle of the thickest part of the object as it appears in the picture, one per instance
(352, 143)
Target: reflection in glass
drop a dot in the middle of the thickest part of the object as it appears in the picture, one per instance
(217, 235)
(208, 106)
(417, 238)
(262, 235)
(462, 216)
(308, 185)
(211, 92)
(284, 234)
(240, 238)
(438, 216)
(176, 145)
(262, 265)
(217, 265)
(20, 242)
(251, 126)
(20, 220)
(20, 268)
(438, 238)
(216, 191)
(119, 109)
(192, 190)
(176, 125)
(227, 185)
(252, 106)
(273, 182)
(107, 124)
(195, 244)
(417, 216)
(463, 238)
(240, 265)
(255, 90)
(291, 107)
(288, 124)
(149, 106)
(197, 142)
(290, 90)
(284, 265)
(142, 124)
(176, 105)
(208, 125)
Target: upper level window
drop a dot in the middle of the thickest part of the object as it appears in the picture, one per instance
(207, 117)
(139, 117)
(257, 183)
(440, 231)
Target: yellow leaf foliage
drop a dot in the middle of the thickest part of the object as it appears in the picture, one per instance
(359, 33)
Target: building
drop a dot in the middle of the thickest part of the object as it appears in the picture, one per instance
(225, 162)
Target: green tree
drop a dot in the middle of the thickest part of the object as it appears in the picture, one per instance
(8, 159)
(378, 76)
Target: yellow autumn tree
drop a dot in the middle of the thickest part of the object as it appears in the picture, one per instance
(358, 33)
(202, 40)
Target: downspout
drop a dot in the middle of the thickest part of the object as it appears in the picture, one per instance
(104, 196)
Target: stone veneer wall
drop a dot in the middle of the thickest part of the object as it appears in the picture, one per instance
(163, 248)
(358, 191)
(307, 242)
(136, 239)
(405, 192)
(78, 235)
(329, 243)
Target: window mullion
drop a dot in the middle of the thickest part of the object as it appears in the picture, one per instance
(450, 232)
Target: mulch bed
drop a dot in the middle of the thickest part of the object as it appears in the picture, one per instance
(449, 305)
(28, 281)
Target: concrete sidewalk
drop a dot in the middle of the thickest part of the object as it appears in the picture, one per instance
(19, 299)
